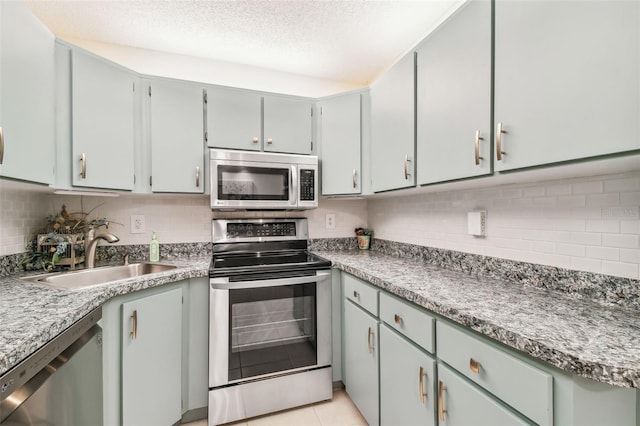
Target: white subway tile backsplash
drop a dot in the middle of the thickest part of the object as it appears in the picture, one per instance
(559, 189)
(622, 185)
(592, 187)
(603, 226)
(630, 198)
(559, 223)
(621, 240)
(571, 249)
(604, 253)
(600, 200)
(629, 270)
(586, 264)
(630, 226)
(630, 255)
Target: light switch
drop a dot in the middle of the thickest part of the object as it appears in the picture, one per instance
(476, 223)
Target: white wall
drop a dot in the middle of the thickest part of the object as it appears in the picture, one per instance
(560, 223)
(203, 70)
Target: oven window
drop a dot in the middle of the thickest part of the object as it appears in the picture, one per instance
(273, 329)
(253, 183)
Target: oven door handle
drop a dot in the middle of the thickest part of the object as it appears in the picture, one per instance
(222, 283)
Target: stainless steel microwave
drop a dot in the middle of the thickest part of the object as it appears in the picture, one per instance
(243, 180)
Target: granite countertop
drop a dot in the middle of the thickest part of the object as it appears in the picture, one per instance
(579, 336)
(31, 314)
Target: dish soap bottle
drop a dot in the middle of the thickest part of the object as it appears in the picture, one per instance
(154, 249)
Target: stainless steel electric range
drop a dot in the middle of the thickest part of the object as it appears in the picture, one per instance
(270, 319)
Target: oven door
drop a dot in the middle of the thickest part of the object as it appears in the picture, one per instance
(253, 185)
(263, 328)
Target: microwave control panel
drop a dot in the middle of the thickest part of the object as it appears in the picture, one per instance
(307, 184)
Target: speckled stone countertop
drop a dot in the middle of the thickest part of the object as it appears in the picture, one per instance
(31, 314)
(576, 335)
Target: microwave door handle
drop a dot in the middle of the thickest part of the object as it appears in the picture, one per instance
(293, 185)
(222, 283)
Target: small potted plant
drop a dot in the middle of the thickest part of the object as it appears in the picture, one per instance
(60, 243)
(364, 237)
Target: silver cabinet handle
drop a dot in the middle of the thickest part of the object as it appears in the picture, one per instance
(197, 176)
(353, 177)
(499, 132)
(255, 140)
(406, 167)
(1, 145)
(369, 341)
(477, 146)
(134, 328)
(83, 170)
(269, 141)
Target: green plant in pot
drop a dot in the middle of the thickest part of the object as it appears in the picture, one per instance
(60, 243)
(364, 237)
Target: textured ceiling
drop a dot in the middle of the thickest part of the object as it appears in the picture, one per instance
(351, 41)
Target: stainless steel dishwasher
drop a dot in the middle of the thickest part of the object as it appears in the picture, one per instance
(59, 384)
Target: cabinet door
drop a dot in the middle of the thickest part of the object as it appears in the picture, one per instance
(103, 132)
(177, 147)
(392, 128)
(454, 97)
(27, 140)
(341, 144)
(152, 330)
(567, 80)
(360, 345)
(287, 125)
(460, 403)
(233, 119)
(408, 382)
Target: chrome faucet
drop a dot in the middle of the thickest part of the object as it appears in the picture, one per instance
(90, 243)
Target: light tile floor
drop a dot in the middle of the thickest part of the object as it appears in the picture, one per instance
(340, 411)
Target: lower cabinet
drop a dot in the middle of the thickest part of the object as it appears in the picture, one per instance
(404, 365)
(155, 355)
(360, 346)
(407, 378)
(461, 403)
(152, 359)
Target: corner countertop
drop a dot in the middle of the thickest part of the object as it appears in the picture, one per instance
(581, 337)
(31, 314)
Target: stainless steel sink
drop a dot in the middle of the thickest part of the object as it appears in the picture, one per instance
(97, 276)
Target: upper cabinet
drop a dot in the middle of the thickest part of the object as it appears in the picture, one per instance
(287, 125)
(233, 119)
(454, 97)
(242, 119)
(567, 80)
(340, 135)
(393, 129)
(102, 99)
(27, 120)
(176, 134)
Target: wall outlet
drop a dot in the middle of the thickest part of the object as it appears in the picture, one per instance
(137, 224)
(476, 223)
(330, 221)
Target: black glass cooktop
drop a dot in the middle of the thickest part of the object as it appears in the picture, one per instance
(279, 261)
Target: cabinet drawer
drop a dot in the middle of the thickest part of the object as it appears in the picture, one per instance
(360, 293)
(522, 386)
(408, 320)
(462, 404)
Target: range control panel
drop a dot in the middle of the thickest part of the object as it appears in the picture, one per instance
(271, 229)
